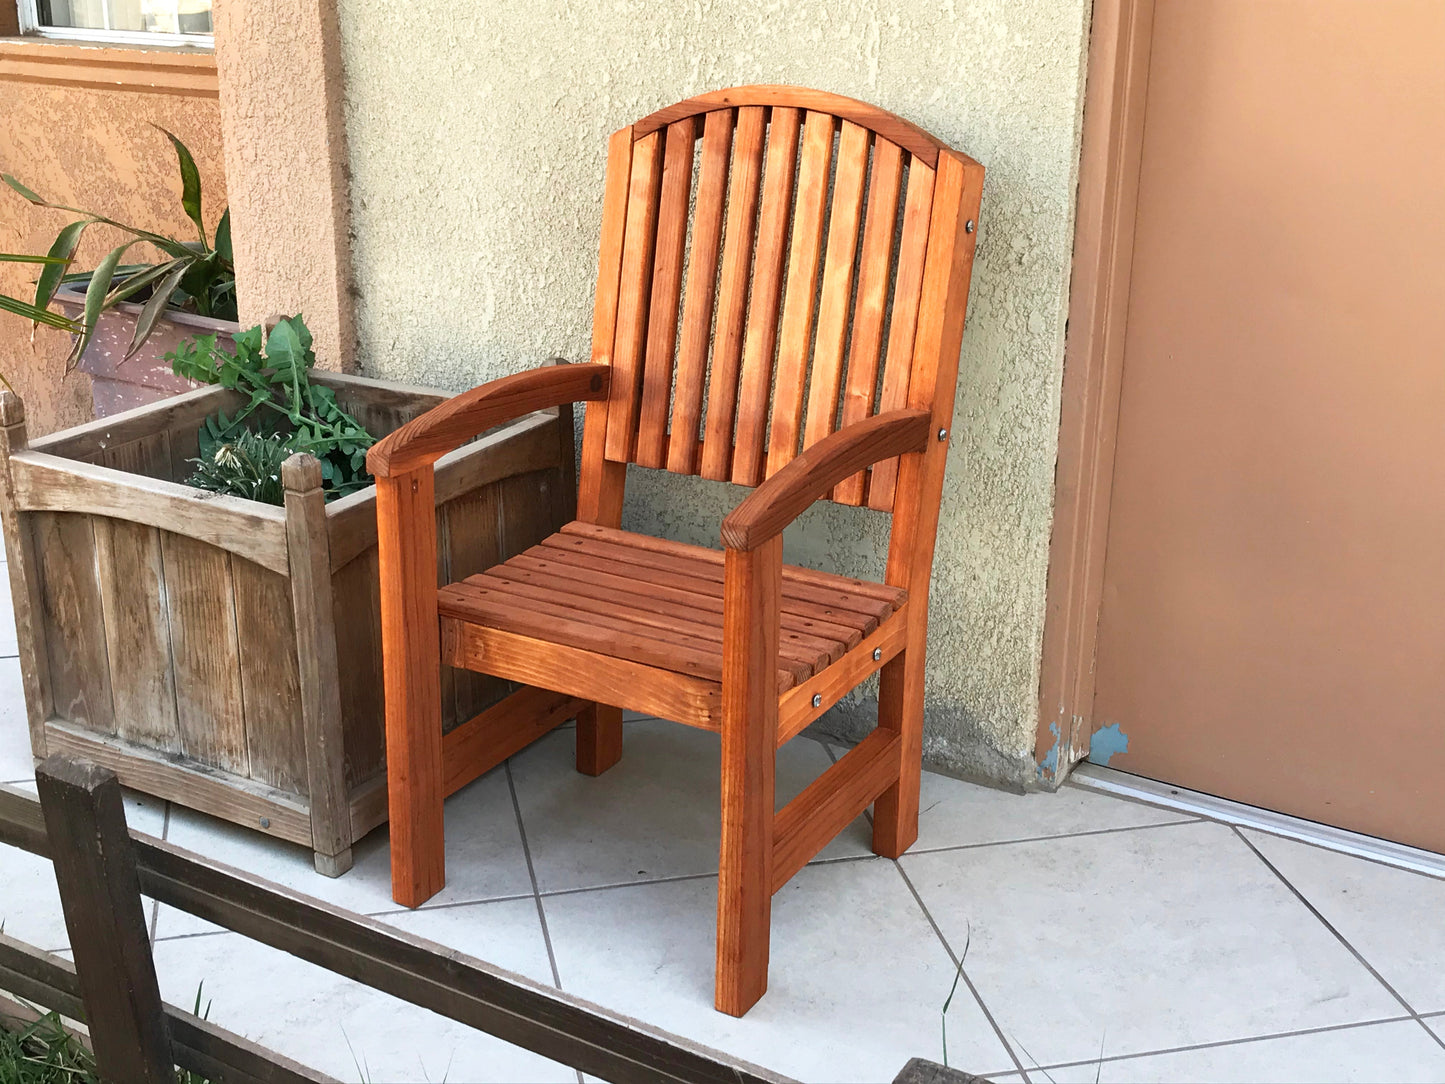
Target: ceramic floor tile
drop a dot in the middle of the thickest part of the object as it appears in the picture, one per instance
(7, 616)
(30, 902)
(484, 856)
(855, 987)
(15, 760)
(1394, 918)
(1437, 1025)
(655, 814)
(352, 1031)
(1399, 1051)
(952, 813)
(1148, 939)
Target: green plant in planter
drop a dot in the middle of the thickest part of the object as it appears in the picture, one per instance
(195, 276)
(242, 453)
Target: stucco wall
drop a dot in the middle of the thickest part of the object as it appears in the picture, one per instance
(477, 148)
(93, 149)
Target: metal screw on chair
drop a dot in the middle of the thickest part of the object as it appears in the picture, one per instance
(877, 654)
(817, 700)
(943, 434)
(968, 226)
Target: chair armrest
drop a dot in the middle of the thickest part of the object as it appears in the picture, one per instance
(425, 439)
(764, 512)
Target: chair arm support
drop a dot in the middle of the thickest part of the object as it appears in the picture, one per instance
(764, 512)
(424, 440)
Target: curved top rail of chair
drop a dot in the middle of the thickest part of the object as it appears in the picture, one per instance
(905, 133)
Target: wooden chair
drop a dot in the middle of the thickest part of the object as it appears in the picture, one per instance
(780, 304)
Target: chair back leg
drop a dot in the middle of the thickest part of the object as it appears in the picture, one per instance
(900, 708)
(599, 738)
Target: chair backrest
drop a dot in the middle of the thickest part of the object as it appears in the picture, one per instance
(776, 262)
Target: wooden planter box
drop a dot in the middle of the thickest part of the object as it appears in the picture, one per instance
(226, 654)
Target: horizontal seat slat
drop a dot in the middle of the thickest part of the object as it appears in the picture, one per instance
(593, 578)
(646, 575)
(615, 636)
(815, 651)
(657, 604)
(709, 563)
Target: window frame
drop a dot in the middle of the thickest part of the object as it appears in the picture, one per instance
(30, 26)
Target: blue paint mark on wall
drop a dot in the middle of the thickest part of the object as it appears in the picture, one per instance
(1050, 763)
(1106, 742)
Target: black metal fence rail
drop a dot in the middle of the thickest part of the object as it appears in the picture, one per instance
(102, 868)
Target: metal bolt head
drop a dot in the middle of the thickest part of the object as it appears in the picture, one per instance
(968, 226)
(817, 700)
(877, 654)
(265, 822)
(942, 435)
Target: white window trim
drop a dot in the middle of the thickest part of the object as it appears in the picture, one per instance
(30, 25)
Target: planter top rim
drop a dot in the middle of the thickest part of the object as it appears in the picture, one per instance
(72, 297)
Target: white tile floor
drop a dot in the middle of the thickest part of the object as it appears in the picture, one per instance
(1104, 938)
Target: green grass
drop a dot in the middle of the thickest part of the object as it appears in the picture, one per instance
(44, 1053)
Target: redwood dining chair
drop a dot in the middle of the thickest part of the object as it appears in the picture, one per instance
(780, 303)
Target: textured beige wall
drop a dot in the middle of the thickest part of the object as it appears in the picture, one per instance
(477, 148)
(280, 77)
(93, 149)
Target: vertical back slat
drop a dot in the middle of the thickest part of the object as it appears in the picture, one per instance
(837, 293)
(872, 304)
(798, 301)
(666, 292)
(737, 261)
(697, 317)
(600, 482)
(633, 295)
(908, 289)
(757, 377)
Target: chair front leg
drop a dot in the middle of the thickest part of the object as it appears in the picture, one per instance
(751, 594)
(411, 652)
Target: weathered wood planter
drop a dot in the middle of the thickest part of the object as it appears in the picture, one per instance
(226, 654)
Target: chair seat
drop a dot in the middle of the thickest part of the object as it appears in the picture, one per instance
(660, 603)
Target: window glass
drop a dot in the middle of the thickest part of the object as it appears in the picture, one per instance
(136, 16)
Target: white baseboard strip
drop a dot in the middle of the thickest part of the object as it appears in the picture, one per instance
(1124, 785)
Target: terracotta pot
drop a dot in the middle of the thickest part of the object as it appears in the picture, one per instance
(146, 378)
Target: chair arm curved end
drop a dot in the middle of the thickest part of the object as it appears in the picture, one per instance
(764, 512)
(425, 439)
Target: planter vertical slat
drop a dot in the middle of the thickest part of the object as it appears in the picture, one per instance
(196, 644)
(71, 624)
(205, 652)
(471, 544)
(356, 605)
(143, 692)
(270, 677)
(24, 581)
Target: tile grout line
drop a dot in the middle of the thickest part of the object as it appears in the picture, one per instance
(957, 963)
(1325, 1029)
(963, 973)
(532, 874)
(156, 904)
(536, 890)
(1338, 935)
